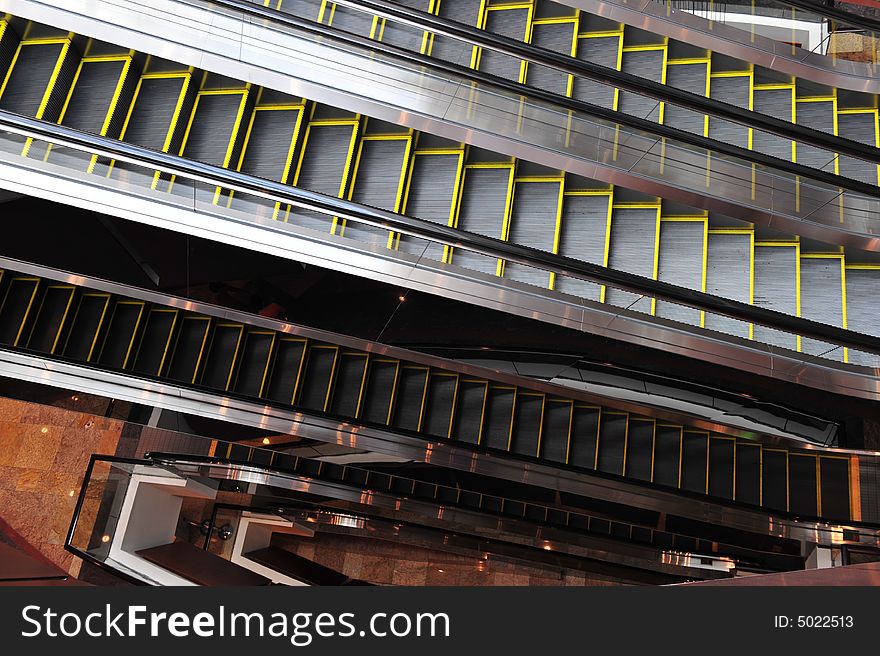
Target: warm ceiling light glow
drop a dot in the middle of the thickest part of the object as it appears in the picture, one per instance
(265, 440)
(105, 538)
(547, 547)
(74, 398)
(44, 430)
(401, 298)
(440, 570)
(70, 494)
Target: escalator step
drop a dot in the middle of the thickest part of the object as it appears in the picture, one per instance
(667, 455)
(469, 12)
(584, 225)
(555, 431)
(729, 276)
(556, 37)
(584, 435)
(612, 443)
(681, 263)
(17, 304)
(512, 23)
(533, 223)
(862, 310)
(285, 370)
(29, 78)
(308, 9)
(440, 403)
(694, 461)
(430, 196)
(602, 51)
(50, 318)
(858, 127)
(639, 449)
(734, 91)
(318, 374)
(121, 332)
(834, 477)
(633, 239)
(406, 36)
(647, 64)
(721, 473)
(349, 19)
(822, 300)
(499, 415)
(348, 384)
(469, 409)
(774, 479)
(380, 388)
(87, 321)
(221, 355)
(802, 483)
(410, 397)
(773, 102)
(154, 111)
(251, 376)
(818, 116)
(483, 208)
(324, 167)
(154, 344)
(748, 473)
(188, 349)
(776, 289)
(692, 78)
(378, 183)
(527, 424)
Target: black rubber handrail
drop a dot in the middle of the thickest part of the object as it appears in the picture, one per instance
(525, 255)
(565, 63)
(597, 111)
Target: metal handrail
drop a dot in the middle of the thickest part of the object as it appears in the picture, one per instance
(424, 229)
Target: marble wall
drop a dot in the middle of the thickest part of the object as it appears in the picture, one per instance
(44, 452)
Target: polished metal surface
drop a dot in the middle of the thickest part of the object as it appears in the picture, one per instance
(735, 42)
(441, 453)
(368, 82)
(301, 244)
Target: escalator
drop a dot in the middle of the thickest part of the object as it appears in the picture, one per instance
(429, 399)
(228, 123)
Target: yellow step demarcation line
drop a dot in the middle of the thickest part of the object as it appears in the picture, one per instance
(22, 280)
